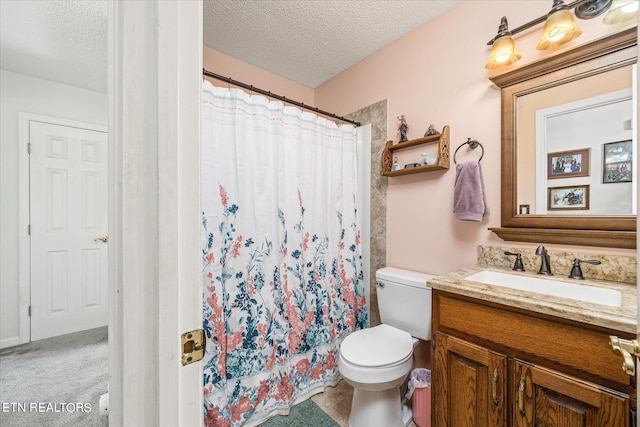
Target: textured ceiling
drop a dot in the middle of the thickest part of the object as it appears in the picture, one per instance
(310, 41)
(60, 40)
(307, 41)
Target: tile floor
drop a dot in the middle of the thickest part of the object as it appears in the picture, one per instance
(336, 401)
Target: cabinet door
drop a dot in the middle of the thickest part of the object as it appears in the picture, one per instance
(470, 384)
(541, 397)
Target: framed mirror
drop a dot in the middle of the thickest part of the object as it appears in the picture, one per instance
(535, 208)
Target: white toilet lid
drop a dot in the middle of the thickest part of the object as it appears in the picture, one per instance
(381, 345)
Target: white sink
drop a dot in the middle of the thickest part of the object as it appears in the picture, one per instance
(592, 294)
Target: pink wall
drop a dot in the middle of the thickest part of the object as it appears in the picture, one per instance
(436, 74)
(227, 66)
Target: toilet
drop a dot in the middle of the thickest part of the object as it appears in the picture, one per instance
(376, 361)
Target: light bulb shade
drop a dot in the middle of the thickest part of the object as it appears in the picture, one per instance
(503, 53)
(560, 28)
(620, 11)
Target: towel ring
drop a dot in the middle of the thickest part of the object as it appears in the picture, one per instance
(473, 144)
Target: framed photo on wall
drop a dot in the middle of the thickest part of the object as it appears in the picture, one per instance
(566, 164)
(617, 162)
(571, 197)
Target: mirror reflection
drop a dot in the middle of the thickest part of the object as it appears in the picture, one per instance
(555, 191)
(575, 147)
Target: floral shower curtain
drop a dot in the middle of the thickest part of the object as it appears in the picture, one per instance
(282, 279)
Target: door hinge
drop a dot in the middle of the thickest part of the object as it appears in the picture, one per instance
(29, 311)
(28, 148)
(193, 346)
(29, 229)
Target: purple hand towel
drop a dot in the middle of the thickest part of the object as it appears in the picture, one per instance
(469, 201)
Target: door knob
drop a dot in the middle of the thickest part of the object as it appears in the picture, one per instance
(627, 348)
(103, 239)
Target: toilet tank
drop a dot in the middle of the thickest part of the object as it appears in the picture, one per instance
(404, 300)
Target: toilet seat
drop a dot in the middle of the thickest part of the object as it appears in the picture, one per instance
(377, 347)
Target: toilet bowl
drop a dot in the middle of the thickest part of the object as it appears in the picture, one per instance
(376, 361)
(375, 356)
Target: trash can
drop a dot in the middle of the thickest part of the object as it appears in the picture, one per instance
(419, 391)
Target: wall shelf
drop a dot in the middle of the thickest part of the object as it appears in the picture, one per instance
(441, 139)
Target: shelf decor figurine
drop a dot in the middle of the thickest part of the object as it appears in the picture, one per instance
(396, 165)
(431, 131)
(426, 160)
(403, 128)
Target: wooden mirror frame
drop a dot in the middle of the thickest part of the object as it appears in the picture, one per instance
(601, 55)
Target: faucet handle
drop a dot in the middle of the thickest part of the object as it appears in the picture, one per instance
(576, 271)
(517, 265)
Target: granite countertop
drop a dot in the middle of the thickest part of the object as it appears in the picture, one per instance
(621, 318)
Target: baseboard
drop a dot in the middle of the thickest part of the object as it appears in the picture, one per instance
(9, 342)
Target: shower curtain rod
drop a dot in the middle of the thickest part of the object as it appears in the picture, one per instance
(278, 97)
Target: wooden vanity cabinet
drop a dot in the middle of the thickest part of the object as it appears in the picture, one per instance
(468, 384)
(545, 397)
(496, 366)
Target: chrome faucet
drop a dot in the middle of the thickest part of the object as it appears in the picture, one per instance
(545, 265)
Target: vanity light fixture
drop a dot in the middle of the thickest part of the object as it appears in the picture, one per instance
(503, 51)
(559, 27)
(620, 11)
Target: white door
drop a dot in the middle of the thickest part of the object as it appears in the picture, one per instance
(68, 217)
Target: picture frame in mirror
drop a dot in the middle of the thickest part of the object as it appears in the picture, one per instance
(570, 163)
(617, 162)
(568, 197)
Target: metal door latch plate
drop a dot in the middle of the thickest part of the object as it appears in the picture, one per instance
(193, 346)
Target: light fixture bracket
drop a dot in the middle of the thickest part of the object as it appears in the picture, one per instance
(503, 29)
(558, 5)
(592, 8)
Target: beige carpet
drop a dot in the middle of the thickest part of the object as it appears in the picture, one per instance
(55, 382)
